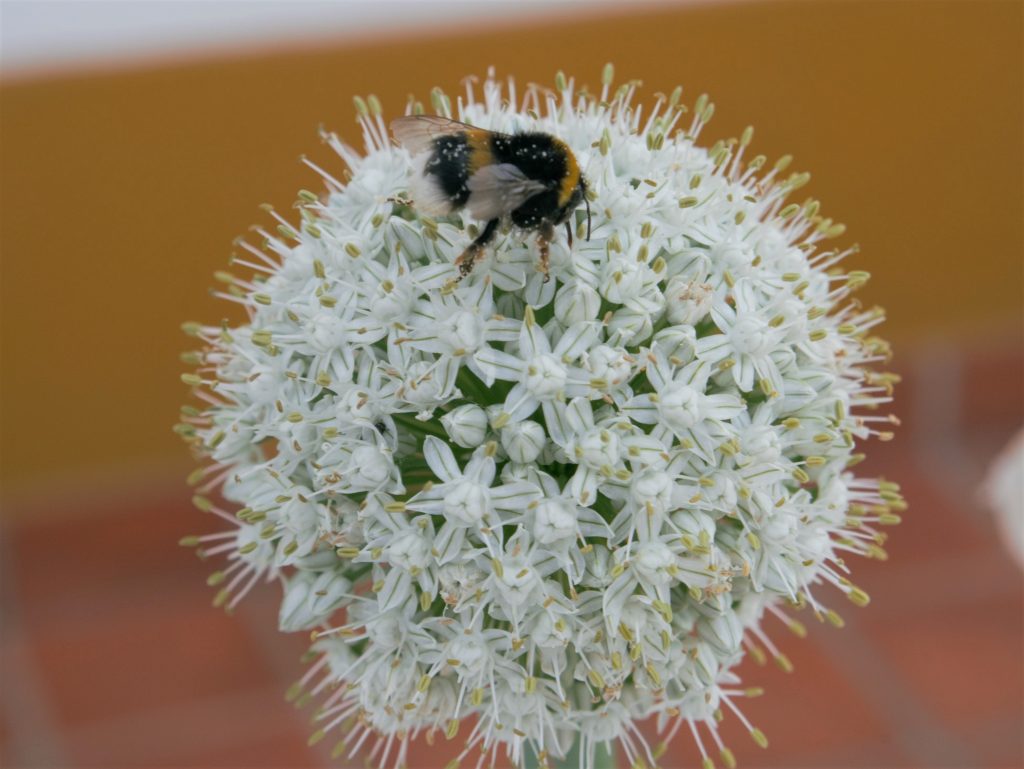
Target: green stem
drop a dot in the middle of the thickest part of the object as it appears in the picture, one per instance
(419, 428)
(603, 759)
(472, 387)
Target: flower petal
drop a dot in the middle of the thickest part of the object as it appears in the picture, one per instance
(441, 460)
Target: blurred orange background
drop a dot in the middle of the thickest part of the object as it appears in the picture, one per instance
(123, 187)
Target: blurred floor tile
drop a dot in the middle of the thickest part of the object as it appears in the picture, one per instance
(162, 653)
(259, 751)
(806, 714)
(938, 523)
(121, 662)
(438, 752)
(245, 723)
(63, 562)
(993, 387)
(6, 757)
(999, 742)
(965, 664)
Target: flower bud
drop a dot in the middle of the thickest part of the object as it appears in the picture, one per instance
(629, 327)
(392, 302)
(546, 376)
(652, 562)
(468, 502)
(652, 487)
(370, 468)
(404, 233)
(677, 342)
(623, 279)
(679, 406)
(462, 331)
(466, 425)
(609, 364)
(722, 632)
(688, 301)
(522, 441)
(421, 388)
(695, 526)
(410, 550)
(576, 302)
(761, 443)
(300, 520)
(553, 521)
(734, 256)
(325, 332)
(263, 384)
(599, 448)
(750, 335)
(599, 567)
(310, 597)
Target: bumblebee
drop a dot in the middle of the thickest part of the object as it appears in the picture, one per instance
(531, 179)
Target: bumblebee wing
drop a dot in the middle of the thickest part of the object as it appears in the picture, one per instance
(498, 189)
(417, 132)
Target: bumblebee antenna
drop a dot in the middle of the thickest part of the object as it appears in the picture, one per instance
(587, 201)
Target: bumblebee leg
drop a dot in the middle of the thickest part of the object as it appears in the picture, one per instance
(468, 258)
(568, 233)
(544, 238)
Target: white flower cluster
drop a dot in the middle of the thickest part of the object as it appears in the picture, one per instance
(553, 507)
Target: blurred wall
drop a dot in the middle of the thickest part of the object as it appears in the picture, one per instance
(122, 191)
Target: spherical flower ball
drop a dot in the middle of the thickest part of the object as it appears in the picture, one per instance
(546, 500)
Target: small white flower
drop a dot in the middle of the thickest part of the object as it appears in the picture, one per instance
(688, 301)
(410, 551)
(310, 598)
(576, 302)
(467, 502)
(425, 385)
(370, 468)
(553, 521)
(611, 369)
(545, 377)
(523, 441)
(326, 332)
(300, 520)
(653, 562)
(552, 505)
(653, 490)
(517, 579)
